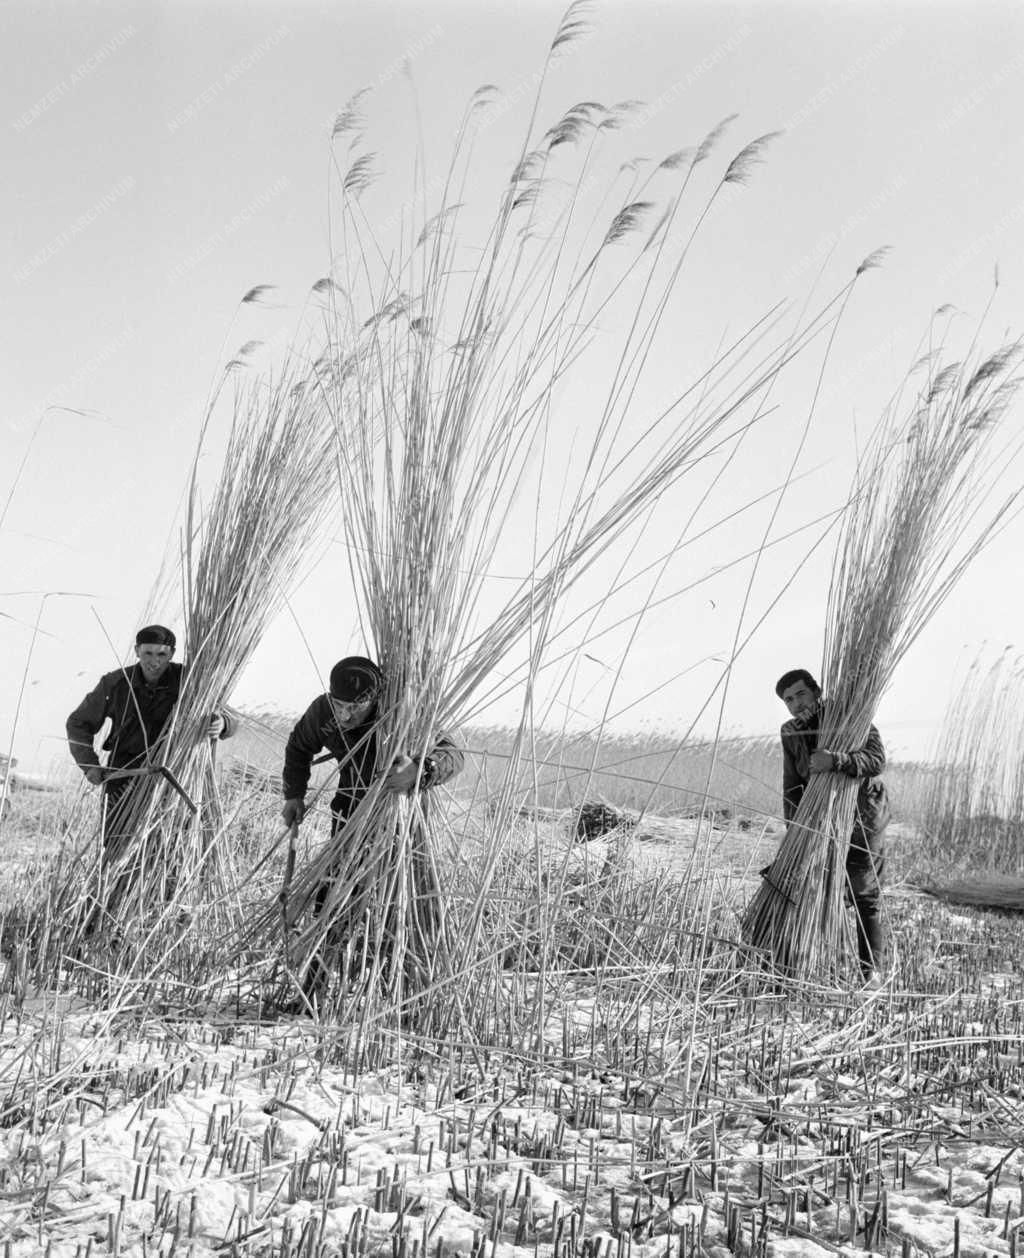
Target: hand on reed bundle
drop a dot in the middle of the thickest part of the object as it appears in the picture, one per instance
(402, 776)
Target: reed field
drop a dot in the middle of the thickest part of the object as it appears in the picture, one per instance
(527, 1043)
(622, 1088)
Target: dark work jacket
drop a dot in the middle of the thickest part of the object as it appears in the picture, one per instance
(866, 763)
(356, 752)
(138, 714)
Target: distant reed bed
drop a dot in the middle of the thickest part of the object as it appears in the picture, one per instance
(650, 772)
(973, 815)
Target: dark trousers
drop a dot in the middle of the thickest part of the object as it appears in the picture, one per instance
(117, 807)
(318, 972)
(120, 832)
(865, 867)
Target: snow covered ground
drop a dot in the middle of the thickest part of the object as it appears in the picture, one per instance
(894, 1122)
(890, 1121)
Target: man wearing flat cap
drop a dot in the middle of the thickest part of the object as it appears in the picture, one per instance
(344, 722)
(138, 702)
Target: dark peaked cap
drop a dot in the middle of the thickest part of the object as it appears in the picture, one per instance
(355, 679)
(155, 635)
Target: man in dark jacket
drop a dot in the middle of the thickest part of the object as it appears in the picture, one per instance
(138, 702)
(865, 860)
(344, 721)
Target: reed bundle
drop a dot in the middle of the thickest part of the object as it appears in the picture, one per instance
(1004, 894)
(238, 552)
(444, 374)
(923, 506)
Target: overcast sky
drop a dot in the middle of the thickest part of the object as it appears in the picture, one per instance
(161, 159)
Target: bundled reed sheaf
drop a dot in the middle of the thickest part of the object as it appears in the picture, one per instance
(974, 809)
(1003, 894)
(443, 374)
(923, 506)
(239, 550)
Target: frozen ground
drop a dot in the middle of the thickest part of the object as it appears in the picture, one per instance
(890, 1122)
(191, 1137)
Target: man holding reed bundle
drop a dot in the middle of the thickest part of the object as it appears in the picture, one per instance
(345, 722)
(138, 702)
(865, 860)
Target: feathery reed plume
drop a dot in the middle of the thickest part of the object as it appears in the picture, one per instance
(237, 555)
(922, 508)
(742, 165)
(573, 24)
(350, 117)
(875, 259)
(707, 145)
(255, 295)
